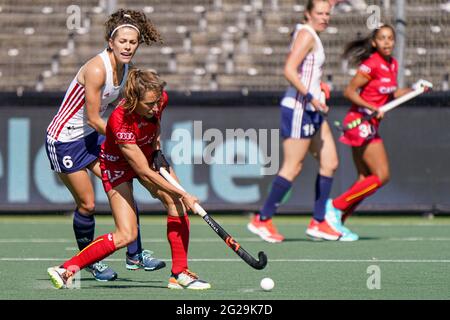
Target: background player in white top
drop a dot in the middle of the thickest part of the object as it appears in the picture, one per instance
(303, 127)
(76, 132)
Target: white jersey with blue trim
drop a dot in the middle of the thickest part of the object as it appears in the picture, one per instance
(70, 123)
(309, 73)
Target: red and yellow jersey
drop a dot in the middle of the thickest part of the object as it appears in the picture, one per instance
(130, 128)
(382, 76)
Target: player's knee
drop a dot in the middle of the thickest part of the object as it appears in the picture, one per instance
(330, 166)
(335, 164)
(173, 206)
(87, 207)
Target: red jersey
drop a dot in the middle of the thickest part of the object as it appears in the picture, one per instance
(382, 83)
(127, 128)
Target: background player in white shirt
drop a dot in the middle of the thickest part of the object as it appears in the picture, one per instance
(303, 127)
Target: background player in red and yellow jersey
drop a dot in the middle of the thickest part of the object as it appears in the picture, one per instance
(304, 128)
(132, 150)
(374, 85)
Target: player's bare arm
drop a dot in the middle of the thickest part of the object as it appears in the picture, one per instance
(157, 140)
(140, 165)
(94, 77)
(303, 44)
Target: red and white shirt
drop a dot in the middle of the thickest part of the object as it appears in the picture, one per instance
(382, 75)
(70, 123)
(309, 73)
(130, 128)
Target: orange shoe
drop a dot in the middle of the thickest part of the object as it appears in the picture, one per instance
(322, 230)
(265, 229)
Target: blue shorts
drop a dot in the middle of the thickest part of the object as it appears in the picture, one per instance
(299, 123)
(68, 157)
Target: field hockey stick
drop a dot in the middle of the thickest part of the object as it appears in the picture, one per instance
(387, 107)
(323, 100)
(233, 244)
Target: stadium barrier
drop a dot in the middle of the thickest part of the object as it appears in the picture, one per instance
(225, 148)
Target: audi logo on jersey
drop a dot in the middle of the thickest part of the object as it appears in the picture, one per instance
(125, 135)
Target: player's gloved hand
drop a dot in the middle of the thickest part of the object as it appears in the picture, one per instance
(189, 201)
(159, 161)
(427, 85)
(326, 89)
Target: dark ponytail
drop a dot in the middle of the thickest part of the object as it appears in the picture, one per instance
(359, 50)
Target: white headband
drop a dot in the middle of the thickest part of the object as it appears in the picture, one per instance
(122, 26)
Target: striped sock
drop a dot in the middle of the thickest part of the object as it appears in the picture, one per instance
(97, 250)
(357, 193)
(350, 210)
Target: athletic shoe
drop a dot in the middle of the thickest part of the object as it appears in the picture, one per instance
(265, 229)
(60, 277)
(101, 272)
(334, 218)
(322, 230)
(187, 280)
(144, 260)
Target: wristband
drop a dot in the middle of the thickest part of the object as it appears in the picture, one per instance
(309, 97)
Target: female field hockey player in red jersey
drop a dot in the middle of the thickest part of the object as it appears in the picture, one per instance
(303, 128)
(132, 150)
(374, 85)
(76, 132)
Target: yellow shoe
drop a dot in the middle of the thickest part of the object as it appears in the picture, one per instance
(60, 277)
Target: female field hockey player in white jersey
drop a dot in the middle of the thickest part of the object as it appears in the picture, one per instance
(75, 134)
(303, 128)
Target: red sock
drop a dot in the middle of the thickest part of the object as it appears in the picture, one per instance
(178, 236)
(97, 250)
(350, 210)
(347, 213)
(357, 192)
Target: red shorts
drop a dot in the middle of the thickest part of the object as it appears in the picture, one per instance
(114, 175)
(365, 133)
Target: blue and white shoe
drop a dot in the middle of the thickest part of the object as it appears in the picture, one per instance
(334, 218)
(144, 260)
(101, 272)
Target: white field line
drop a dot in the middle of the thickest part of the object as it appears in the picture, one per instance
(195, 222)
(270, 260)
(203, 240)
